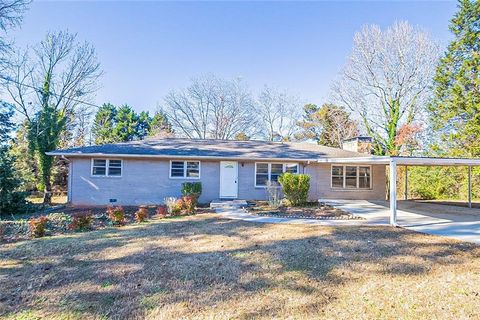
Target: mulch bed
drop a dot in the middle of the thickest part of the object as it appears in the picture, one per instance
(16, 228)
(311, 210)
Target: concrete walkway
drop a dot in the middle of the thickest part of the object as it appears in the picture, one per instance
(450, 221)
(238, 213)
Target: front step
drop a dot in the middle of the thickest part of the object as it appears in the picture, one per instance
(228, 204)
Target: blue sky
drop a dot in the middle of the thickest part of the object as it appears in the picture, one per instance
(148, 48)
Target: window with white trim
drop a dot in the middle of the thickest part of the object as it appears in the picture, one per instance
(107, 167)
(184, 169)
(351, 177)
(265, 171)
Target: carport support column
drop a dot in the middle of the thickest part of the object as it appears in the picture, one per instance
(469, 186)
(406, 183)
(393, 192)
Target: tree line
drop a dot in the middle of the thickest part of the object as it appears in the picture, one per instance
(396, 86)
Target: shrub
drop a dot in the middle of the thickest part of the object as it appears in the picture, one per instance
(192, 189)
(141, 214)
(189, 203)
(178, 207)
(295, 187)
(38, 226)
(161, 211)
(116, 215)
(174, 205)
(59, 221)
(82, 221)
(170, 204)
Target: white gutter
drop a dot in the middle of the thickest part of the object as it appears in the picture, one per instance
(368, 159)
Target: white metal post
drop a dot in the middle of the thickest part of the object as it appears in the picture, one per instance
(469, 186)
(406, 182)
(393, 193)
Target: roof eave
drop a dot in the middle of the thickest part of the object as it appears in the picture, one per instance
(151, 156)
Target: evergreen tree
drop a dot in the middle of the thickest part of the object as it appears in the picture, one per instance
(329, 125)
(112, 124)
(159, 125)
(104, 123)
(455, 110)
(12, 199)
(143, 125)
(126, 124)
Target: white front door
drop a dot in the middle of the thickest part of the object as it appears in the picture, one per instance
(228, 179)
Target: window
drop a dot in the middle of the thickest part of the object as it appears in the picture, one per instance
(265, 172)
(364, 177)
(261, 175)
(351, 177)
(337, 176)
(185, 169)
(276, 169)
(107, 167)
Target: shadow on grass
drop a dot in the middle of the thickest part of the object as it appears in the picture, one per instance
(203, 261)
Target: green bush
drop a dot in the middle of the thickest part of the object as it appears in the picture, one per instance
(295, 187)
(192, 189)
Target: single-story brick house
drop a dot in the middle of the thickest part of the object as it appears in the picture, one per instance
(148, 171)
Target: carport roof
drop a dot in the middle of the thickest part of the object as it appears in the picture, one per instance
(415, 161)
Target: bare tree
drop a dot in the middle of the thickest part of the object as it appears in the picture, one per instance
(211, 107)
(386, 80)
(279, 114)
(11, 14)
(49, 86)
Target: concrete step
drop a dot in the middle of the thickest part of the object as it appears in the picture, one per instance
(224, 204)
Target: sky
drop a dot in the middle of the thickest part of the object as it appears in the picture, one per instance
(148, 48)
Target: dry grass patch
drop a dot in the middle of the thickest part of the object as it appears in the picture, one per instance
(211, 268)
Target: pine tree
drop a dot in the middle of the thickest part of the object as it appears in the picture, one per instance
(104, 123)
(455, 110)
(159, 125)
(12, 199)
(126, 124)
(329, 125)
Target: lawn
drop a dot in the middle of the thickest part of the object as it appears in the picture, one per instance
(204, 267)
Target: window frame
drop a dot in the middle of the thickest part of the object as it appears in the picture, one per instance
(107, 166)
(344, 174)
(184, 177)
(284, 164)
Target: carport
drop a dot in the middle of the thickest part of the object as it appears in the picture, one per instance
(393, 162)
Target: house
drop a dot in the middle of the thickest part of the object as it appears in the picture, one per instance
(148, 171)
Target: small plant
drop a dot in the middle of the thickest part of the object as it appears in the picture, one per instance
(192, 189)
(82, 221)
(274, 195)
(116, 215)
(170, 204)
(295, 187)
(161, 211)
(142, 214)
(174, 205)
(178, 207)
(189, 203)
(38, 226)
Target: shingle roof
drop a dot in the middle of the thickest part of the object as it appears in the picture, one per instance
(179, 147)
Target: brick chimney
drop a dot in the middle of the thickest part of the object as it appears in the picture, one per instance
(361, 144)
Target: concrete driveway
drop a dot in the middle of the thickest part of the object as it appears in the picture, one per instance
(450, 221)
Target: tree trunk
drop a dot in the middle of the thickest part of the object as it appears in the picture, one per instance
(47, 193)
